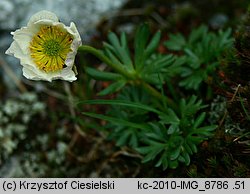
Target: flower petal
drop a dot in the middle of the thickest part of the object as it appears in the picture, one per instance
(74, 45)
(43, 15)
(29, 74)
(23, 37)
(77, 38)
(16, 51)
(68, 75)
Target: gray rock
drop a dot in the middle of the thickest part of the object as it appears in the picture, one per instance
(86, 14)
(6, 10)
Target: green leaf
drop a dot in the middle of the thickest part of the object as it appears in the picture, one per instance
(120, 49)
(128, 137)
(190, 107)
(101, 75)
(155, 137)
(199, 120)
(187, 148)
(186, 158)
(195, 60)
(157, 64)
(169, 117)
(155, 79)
(123, 135)
(134, 140)
(121, 141)
(117, 121)
(124, 44)
(193, 80)
(197, 34)
(163, 161)
(191, 144)
(121, 103)
(175, 68)
(175, 42)
(151, 151)
(114, 87)
(159, 129)
(154, 43)
(181, 159)
(141, 38)
(159, 163)
(225, 39)
(111, 56)
(175, 153)
(173, 128)
(206, 128)
(173, 164)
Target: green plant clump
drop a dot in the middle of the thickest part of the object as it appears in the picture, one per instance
(147, 114)
(201, 50)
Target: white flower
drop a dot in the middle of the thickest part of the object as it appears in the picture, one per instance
(46, 48)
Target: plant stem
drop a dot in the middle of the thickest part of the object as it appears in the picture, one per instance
(129, 76)
(103, 58)
(157, 94)
(171, 90)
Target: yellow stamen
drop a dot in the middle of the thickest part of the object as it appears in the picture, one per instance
(49, 48)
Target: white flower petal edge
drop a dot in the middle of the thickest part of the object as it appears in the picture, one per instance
(20, 48)
(43, 15)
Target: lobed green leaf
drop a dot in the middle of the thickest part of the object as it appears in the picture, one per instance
(101, 75)
(117, 121)
(114, 87)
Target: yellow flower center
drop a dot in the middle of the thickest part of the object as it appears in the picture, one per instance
(49, 48)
